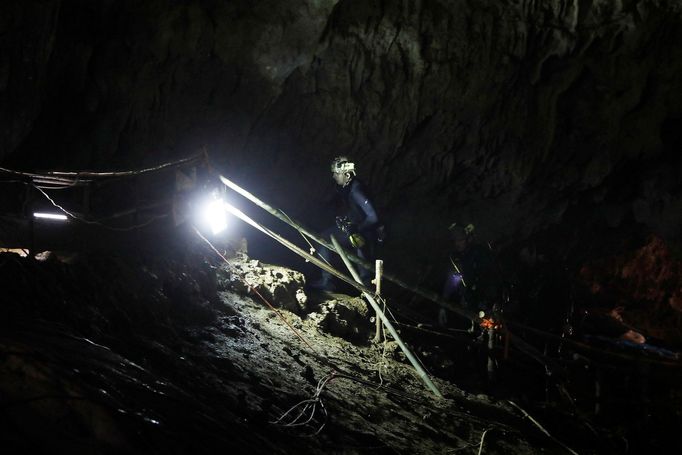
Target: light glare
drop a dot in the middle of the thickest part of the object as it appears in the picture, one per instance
(50, 216)
(215, 216)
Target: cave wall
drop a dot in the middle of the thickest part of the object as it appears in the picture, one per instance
(522, 117)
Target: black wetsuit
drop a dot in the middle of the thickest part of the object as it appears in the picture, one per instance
(473, 279)
(361, 218)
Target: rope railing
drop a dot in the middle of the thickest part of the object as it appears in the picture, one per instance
(429, 295)
(63, 179)
(420, 371)
(58, 180)
(86, 177)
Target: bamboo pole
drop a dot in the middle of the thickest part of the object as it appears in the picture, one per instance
(323, 265)
(420, 371)
(356, 283)
(377, 276)
(432, 296)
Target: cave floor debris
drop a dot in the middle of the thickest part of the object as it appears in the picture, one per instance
(172, 371)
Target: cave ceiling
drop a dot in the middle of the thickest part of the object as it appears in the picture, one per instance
(523, 117)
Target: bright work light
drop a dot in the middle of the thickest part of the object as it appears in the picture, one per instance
(50, 216)
(214, 215)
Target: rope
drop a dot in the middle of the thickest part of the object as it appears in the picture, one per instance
(312, 248)
(421, 292)
(537, 424)
(55, 180)
(377, 386)
(310, 404)
(436, 332)
(78, 174)
(480, 447)
(253, 289)
(588, 347)
(385, 309)
(309, 408)
(97, 223)
(479, 444)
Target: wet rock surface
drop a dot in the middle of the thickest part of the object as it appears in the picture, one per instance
(278, 284)
(343, 316)
(84, 378)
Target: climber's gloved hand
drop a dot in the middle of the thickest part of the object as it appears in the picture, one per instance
(356, 240)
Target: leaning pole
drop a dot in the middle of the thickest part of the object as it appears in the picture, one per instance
(387, 323)
(357, 284)
(433, 297)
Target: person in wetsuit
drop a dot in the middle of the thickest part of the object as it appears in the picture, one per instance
(473, 279)
(357, 226)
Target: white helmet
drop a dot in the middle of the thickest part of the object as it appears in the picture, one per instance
(341, 165)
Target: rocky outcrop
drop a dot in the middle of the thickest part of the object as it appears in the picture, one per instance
(271, 282)
(344, 317)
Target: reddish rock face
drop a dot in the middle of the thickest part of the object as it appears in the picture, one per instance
(646, 283)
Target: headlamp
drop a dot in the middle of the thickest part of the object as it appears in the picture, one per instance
(341, 166)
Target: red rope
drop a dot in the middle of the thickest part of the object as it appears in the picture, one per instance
(255, 291)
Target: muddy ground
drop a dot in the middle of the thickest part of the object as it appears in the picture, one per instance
(182, 354)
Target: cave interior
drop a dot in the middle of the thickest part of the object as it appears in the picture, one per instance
(553, 128)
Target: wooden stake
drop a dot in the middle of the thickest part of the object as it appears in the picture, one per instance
(420, 371)
(379, 269)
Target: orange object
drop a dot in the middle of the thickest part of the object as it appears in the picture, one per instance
(489, 323)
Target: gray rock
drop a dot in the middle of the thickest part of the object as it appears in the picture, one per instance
(345, 317)
(280, 286)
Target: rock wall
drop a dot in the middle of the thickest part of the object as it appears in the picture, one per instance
(519, 116)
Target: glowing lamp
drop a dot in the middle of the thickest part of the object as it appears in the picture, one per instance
(50, 216)
(214, 215)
